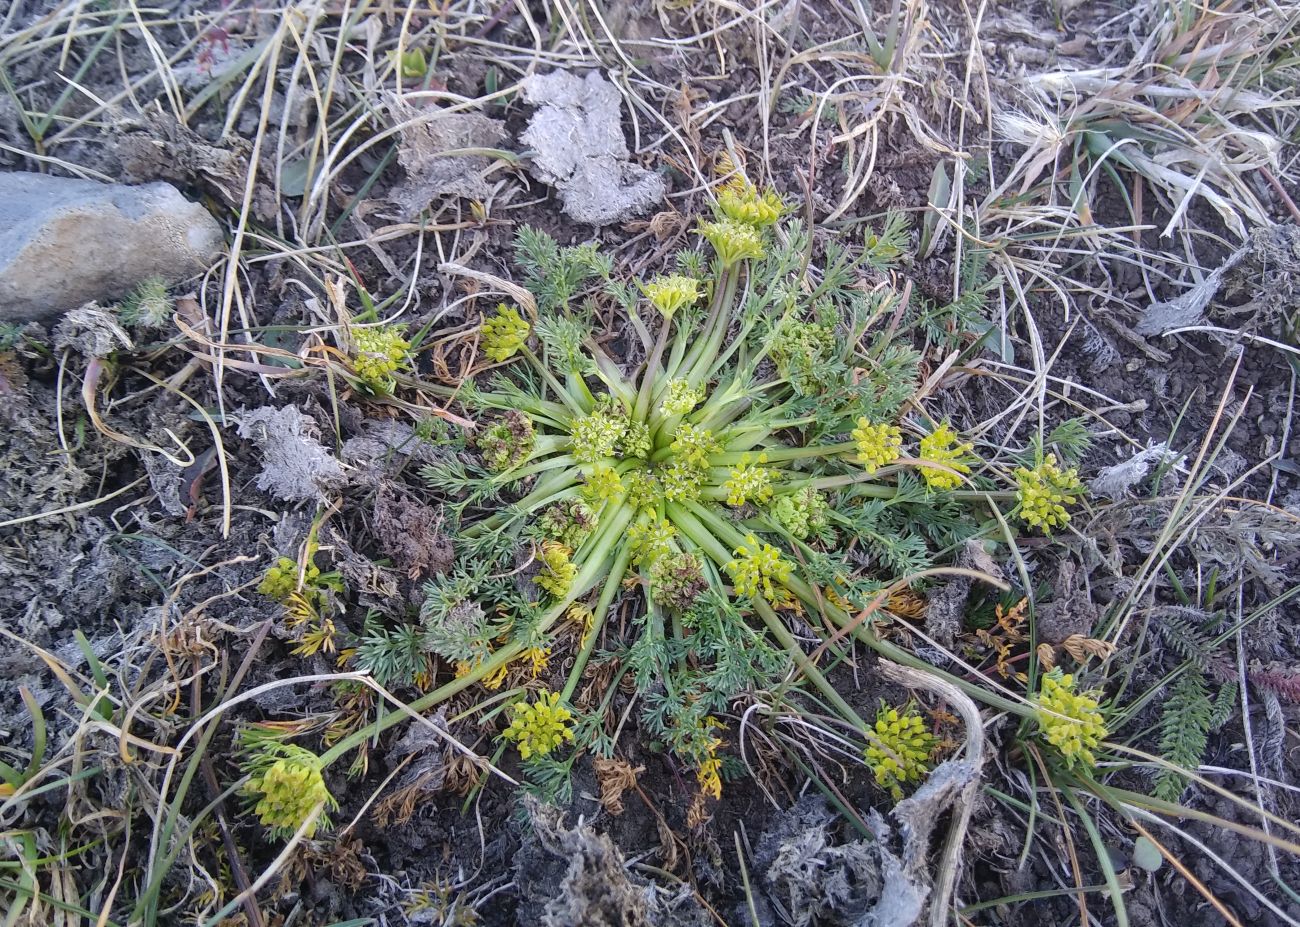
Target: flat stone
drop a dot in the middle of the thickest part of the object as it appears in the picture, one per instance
(65, 242)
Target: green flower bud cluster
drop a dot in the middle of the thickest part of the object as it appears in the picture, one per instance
(802, 513)
(733, 241)
(636, 440)
(1044, 492)
(756, 567)
(1071, 721)
(602, 484)
(681, 398)
(643, 489)
(677, 580)
(281, 579)
(597, 435)
(539, 728)
(650, 540)
(286, 784)
(568, 522)
(558, 569)
(694, 444)
(378, 353)
(504, 334)
(740, 201)
(900, 752)
(681, 480)
(749, 482)
(507, 442)
(801, 351)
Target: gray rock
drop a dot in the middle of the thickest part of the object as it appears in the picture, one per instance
(65, 242)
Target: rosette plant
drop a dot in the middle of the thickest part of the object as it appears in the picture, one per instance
(728, 452)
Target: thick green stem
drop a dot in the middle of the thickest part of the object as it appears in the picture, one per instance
(775, 454)
(556, 386)
(715, 327)
(650, 377)
(598, 619)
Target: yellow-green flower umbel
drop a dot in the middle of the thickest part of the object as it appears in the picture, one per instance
(749, 482)
(733, 241)
(504, 334)
(1044, 492)
(1071, 721)
(539, 728)
(756, 567)
(287, 784)
(941, 447)
(740, 201)
(378, 353)
(878, 444)
(900, 752)
(680, 397)
(672, 292)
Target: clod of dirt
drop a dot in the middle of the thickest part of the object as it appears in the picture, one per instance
(65, 242)
(382, 449)
(851, 884)
(154, 146)
(91, 331)
(1258, 284)
(1070, 612)
(428, 155)
(410, 532)
(296, 467)
(579, 148)
(576, 876)
(946, 604)
(1116, 481)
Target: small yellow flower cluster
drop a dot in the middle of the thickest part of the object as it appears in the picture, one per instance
(504, 334)
(672, 292)
(878, 444)
(636, 440)
(558, 569)
(597, 435)
(694, 444)
(650, 540)
(681, 480)
(290, 788)
(901, 750)
(741, 201)
(602, 484)
(709, 775)
(755, 567)
(941, 447)
(749, 482)
(643, 489)
(379, 352)
(539, 728)
(733, 241)
(1071, 721)
(681, 399)
(1044, 493)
